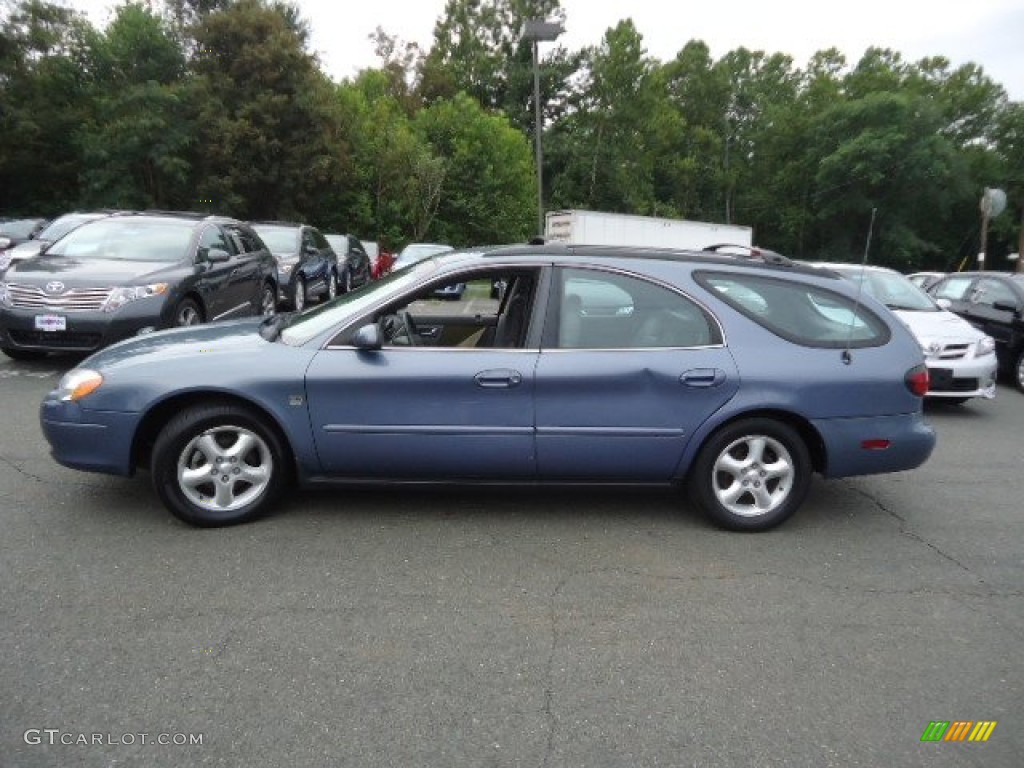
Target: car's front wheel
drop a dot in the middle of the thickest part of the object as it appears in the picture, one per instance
(751, 475)
(187, 313)
(332, 285)
(218, 465)
(1018, 371)
(347, 288)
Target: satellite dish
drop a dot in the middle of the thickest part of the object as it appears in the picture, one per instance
(993, 202)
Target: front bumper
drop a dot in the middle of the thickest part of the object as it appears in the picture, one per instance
(92, 441)
(970, 377)
(83, 331)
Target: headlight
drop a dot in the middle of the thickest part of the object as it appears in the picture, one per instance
(985, 347)
(4, 242)
(121, 296)
(77, 383)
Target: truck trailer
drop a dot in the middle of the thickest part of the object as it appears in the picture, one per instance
(596, 228)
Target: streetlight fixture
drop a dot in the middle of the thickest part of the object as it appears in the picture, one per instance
(536, 31)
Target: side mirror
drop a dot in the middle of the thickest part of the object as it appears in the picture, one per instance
(368, 337)
(944, 303)
(216, 255)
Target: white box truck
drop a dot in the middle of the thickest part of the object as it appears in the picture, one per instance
(597, 228)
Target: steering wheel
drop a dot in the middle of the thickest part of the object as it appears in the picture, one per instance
(400, 325)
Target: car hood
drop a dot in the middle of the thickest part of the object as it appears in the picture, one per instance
(231, 337)
(85, 272)
(939, 326)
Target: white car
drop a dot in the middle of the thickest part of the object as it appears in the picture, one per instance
(961, 359)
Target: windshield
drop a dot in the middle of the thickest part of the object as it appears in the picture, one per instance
(57, 228)
(127, 239)
(894, 290)
(279, 239)
(300, 328)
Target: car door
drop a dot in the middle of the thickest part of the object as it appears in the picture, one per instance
(216, 279)
(994, 308)
(443, 408)
(250, 267)
(628, 371)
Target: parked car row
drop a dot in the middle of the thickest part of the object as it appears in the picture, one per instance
(993, 302)
(961, 359)
(89, 279)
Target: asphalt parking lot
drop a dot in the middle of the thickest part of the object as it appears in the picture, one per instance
(419, 628)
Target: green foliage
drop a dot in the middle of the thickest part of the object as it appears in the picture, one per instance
(485, 193)
(219, 105)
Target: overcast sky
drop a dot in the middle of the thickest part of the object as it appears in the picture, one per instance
(989, 33)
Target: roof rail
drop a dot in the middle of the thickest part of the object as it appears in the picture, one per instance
(750, 252)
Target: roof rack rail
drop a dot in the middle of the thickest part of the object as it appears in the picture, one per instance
(751, 252)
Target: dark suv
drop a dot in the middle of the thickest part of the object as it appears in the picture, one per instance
(307, 266)
(994, 303)
(133, 273)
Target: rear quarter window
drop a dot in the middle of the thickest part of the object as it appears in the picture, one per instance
(805, 314)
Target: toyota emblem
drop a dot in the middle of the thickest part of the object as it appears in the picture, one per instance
(55, 287)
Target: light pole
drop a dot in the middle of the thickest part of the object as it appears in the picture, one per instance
(537, 30)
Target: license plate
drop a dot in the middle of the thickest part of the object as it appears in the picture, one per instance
(51, 323)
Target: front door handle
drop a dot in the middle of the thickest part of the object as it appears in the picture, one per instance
(499, 378)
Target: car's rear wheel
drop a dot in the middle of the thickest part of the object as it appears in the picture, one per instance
(332, 285)
(24, 354)
(187, 313)
(1018, 371)
(298, 293)
(218, 465)
(348, 281)
(751, 475)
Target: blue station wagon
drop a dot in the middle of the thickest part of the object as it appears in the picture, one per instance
(735, 376)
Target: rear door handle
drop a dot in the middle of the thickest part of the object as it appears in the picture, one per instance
(702, 377)
(499, 378)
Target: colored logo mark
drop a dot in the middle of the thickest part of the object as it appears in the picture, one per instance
(959, 730)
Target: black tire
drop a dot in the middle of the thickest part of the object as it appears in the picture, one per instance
(298, 293)
(741, 491)
(1018, 371)
(268, 301)
(347, 281)
(332, 286)
(248, 467)
(187, 313)
(24, 354)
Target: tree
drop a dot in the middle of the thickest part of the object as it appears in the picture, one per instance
(136, 145)
(605, 150)
(270, 142)
(486, 194)
(43, 101)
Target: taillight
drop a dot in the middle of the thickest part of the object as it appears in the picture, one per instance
(917, 380)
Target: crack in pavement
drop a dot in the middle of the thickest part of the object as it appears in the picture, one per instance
(905, 531)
